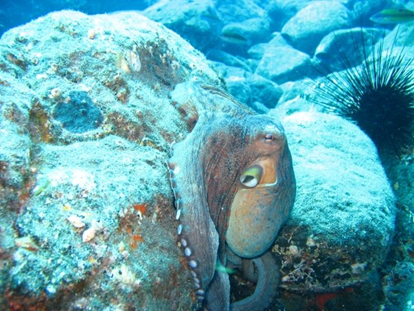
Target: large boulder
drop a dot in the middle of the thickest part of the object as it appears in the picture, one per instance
(85, 203)
(235, 11)
(253, 90)
(195, 21)
(281, 62)
(313, 22)
(280, 11)
(332, 52)
(14, 13)
(342, 223)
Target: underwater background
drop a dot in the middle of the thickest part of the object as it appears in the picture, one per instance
(94, 95)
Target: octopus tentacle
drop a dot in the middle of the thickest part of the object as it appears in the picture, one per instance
(196, 231)
(218, 295)
(268, 277)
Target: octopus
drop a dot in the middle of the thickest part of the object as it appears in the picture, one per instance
(234, 188)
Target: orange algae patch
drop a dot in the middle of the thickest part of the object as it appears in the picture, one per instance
(130, 222)
(140, 208)
(135, 239)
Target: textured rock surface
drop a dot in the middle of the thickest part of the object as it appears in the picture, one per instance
(227, 59)
(363, 10)
(196, 21)
(341, 41)
(84, 193)
(253, 90)
(342, 223)
(280, 11)
(399, 287)
(281, 62)
(234, 11)
(313, 22)
(14, 13)
(405, 37)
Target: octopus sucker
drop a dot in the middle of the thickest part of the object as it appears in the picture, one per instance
(180, 229)
(173, 184)
(187, 252)
(234, 188)
(193, 264)
(178, 214)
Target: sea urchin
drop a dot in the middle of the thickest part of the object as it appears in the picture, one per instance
(378, 96)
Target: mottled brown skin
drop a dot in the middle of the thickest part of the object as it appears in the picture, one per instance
(205, 176)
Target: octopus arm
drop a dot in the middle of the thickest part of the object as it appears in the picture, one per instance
(196, 230)
(266, 287)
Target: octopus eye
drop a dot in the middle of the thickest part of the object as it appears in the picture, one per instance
(268, 137)
(251, 176)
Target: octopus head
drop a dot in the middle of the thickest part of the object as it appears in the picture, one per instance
(264, 195)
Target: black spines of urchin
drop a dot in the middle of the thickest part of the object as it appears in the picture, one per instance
(378, 96)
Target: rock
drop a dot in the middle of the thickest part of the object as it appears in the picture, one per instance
(363, 10)
(195, 21)
(257, 51)
(280, 11)
(288, 104)
(240, 89)
(252, 63)
(403, 35)
(296, 90)
(281, 62)
(305, 30)
(15, 97)
(332, 50)
(341, 226)
(259, 107)
(78, 114)
(228, 59)
(15, 163)
(399, 279)
(400, 172)
(399, 287)
(236, 11)
(13, 14)
(251, 89)
(84, 189)
(264, 91)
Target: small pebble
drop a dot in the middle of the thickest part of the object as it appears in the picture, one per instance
(76, 221)
(88, 235)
